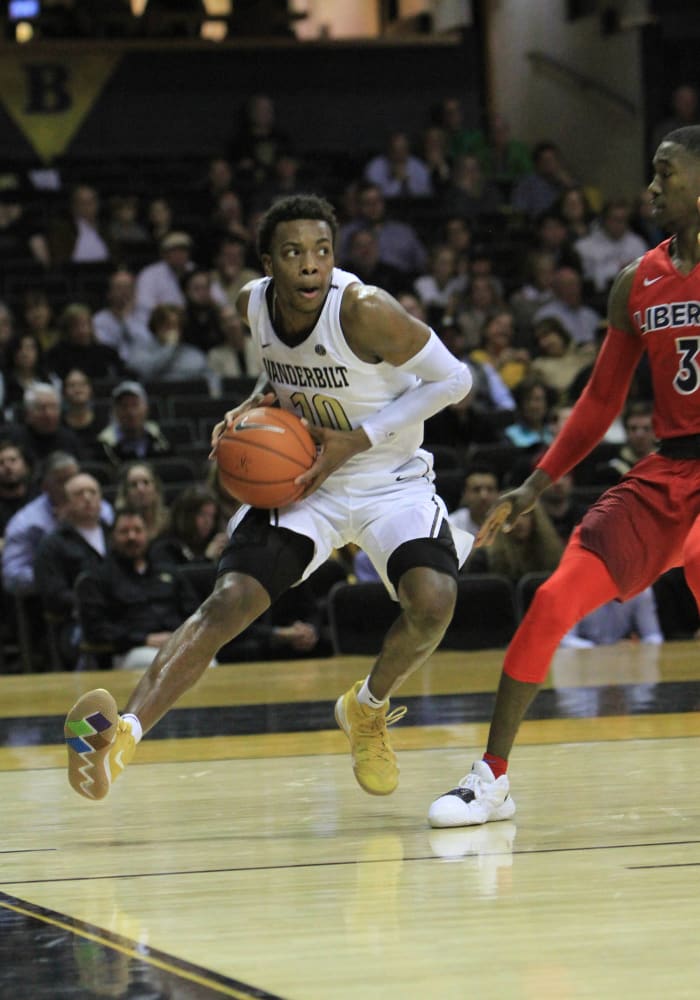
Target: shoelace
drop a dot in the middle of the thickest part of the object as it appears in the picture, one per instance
(471, 781)
(374, 726)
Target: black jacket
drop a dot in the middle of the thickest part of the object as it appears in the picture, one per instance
(63, 554)
(119, 607)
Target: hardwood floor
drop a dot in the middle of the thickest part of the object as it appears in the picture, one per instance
(237, 856)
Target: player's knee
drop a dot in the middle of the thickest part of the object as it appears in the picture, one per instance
(429, 603)
(554, 608)
(230, 608)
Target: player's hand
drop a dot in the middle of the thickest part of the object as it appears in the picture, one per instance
(505, 512)
(259, 399)
(334, 449)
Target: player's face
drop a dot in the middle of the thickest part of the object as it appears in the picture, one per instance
(301, 263)
(675, 186)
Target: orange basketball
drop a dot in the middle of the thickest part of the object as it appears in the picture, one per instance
(260, 455)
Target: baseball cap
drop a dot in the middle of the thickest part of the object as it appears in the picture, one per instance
(175, 239)
(129, 389)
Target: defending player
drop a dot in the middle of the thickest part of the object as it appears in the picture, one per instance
(649, 521)
(365, 375)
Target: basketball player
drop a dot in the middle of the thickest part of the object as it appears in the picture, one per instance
(649, 521)
(365, 375)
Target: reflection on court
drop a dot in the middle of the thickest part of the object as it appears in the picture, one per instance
(253, 866)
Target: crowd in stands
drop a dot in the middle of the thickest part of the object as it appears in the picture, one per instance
(120, 347)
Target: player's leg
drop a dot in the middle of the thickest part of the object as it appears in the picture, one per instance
(423, 573)
(580, 584)
(259, 563)
(691, 560)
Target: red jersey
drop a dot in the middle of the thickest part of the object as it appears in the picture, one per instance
(664, 306)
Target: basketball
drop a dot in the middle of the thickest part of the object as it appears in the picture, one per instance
(260, 455)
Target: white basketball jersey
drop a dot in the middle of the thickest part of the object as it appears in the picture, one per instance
(322, 380)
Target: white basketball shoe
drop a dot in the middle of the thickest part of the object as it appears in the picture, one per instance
(478, 798)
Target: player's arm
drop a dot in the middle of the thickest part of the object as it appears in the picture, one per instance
(599, 404)
(378, 329)
(261, 394)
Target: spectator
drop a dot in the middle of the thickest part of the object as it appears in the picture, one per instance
(469, 312)
(286, 179)
(230, 272)
(639, 442)
(399, 244)
(497, 334)
(460, 138)
(219, 178)
(24, 367)
(533, 546)
(536, 291)
(458, 236)
(201, 327)
(78, 347)
(685, 110)
(613, 621)
(564, 510)
(530, 429)
(558, 361)
(79, 414)
(123, 227)
(119, 325)
(609, 246)
(161, 283)
(140, 489)
(35, 519)
(7, 329)
(539, 190)
(195, 533)
(441, 284)
(478, 418)
(436, 158)
(77, 544)
(21, 237)
(40, 431)
(237, 355)
(130, 603)
(397, 172)
(227, 220)
(159, 220)
(503, 160)
(364, 260)
(579, 320)
(479, 493)
(79, 237)
(166, 356)
(37, 316)
(469, 193)
(130, 434)
(552, 237)
(15, 474)
(257, 142)
(575, 211)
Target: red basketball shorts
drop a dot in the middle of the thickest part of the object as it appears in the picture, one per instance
(639, 527)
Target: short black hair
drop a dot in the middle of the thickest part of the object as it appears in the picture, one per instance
(297, 206)
(688, 137)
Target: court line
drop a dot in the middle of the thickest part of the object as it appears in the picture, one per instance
(221, 985)
(348, 862)
(679, 864)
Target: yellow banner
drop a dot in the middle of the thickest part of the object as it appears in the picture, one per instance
(48, 95)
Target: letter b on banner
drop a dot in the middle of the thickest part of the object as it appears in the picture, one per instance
(47, 89)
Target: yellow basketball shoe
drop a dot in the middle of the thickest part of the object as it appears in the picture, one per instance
(373, 760)
(100, 744)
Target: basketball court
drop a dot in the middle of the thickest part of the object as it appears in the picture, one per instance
(238, 858)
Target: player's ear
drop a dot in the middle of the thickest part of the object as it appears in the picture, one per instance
(266, 261)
